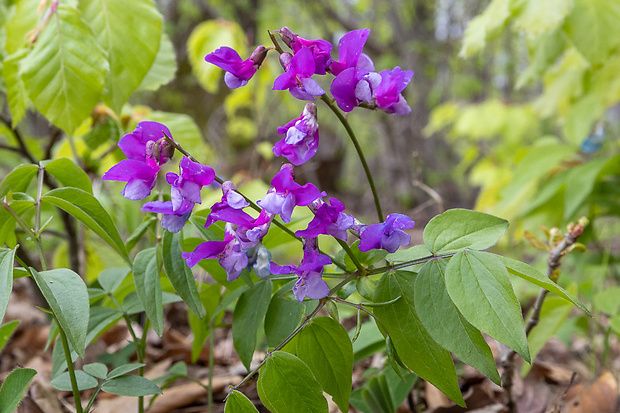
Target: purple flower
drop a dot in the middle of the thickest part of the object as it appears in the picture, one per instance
(238, 71)
(302, 137)
(328, 219)
(186, 186)
(173, 219)
(310, 283)
(388, 94)
(251, 234)
(297, 76)
(146, 152)
(350, 53)
(353, 86)
(229, 209)
(320, 48)
(228, 253)
(286, 194)
(388, 235)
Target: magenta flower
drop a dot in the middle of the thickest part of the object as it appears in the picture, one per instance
(146, 152)
(230, 208)
(320, 48)
(250, 235)
(350, 53)
(388, 235)
(353, 86)
(310, 283)
(302, 137)
(329, 220)
(297, 77)
(173, 219)
(388, 94)
(228, 253)
(286, 194)
(238, 71)
(186, 186)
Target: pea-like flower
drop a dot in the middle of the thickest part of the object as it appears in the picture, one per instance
(353, 86)
(146, 152)
(388, 235)
(187, 185)
(286, 194)
(388, 94)
(173, 219)
(329, 220)
(301, 139)
(238, 71)
(321, 49)
(310, 283)
(350, 53)
(297, 77)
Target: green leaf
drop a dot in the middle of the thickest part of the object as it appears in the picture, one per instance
(286, 385)
(148, 287)
(377, 395)
(133, 305)
(238, 403)
(457, 229)
(7, 257)
(206, 38)
(446, 325)
(581, 182)
(282, 317)
(18, 179)
(98, 370)
(164, 67)
(484, 27)
(124, 369)
(5, 332)
(111, 278)
(84, 381)
(531, 274)
(20, 25)
(324, 345)
(7, 221)
(13, 389)
(607, 301)
(66, 294)
(139, 233)
(415, 346)
(64, 72)
(249, 313)
(538, 17)
(179, 274)
(68, 174)
(134, 386)
(87, 209)
(478, 284)
(544, 51)
(15, 90)
(593, 28)
(130, 33)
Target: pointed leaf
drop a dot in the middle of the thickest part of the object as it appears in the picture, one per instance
(5, 332)
(18, 179)
(124, 369)
(282, 317)
(457, 229)
(134, 386)
(478, 284)
(64, 72)
(111, 278)
(446, 325)
(249, 313)
(238, 403)
(15, 90)
(84, 381)
(148, 287)
(415, 346)
(179, 274)
(130, 32)
(13, 389)
(531, 274)
(68, 174)
(325, 347)
(7, 257)
(286, 385)
(87, 209)
(66, 294)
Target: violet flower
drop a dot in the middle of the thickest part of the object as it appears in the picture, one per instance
(249, 235)
(302, 137)
(320, 48)
(353, 86)
(186, 186)
(286, 194)
(310, 283)
(238, 71)
(350, 53)
(146, 152)
(230, 208)
(297, 76)
(228, 253)
(329, 220)
(388, 94)
(388, 235)
(173, 219)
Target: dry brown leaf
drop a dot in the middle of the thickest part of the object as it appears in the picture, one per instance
(600, 397)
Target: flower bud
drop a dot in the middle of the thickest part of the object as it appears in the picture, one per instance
(285, 60)
(288, 36)
(259, 54)
(152, 151)
(166, 151)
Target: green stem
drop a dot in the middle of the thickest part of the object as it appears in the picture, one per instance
(359, 307)
(360, 153)
(361, 270)
(393, 267)
(92, 398)
(37, 220)
(29, 232)
(74, 386)
(211, 364)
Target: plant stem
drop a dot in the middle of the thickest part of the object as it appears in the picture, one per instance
(360, 269)
(360, 153)
(67, 351)
(29, 232)
(37, 220)
(211, 363)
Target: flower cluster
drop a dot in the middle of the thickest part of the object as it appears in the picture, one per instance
(355, 82)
